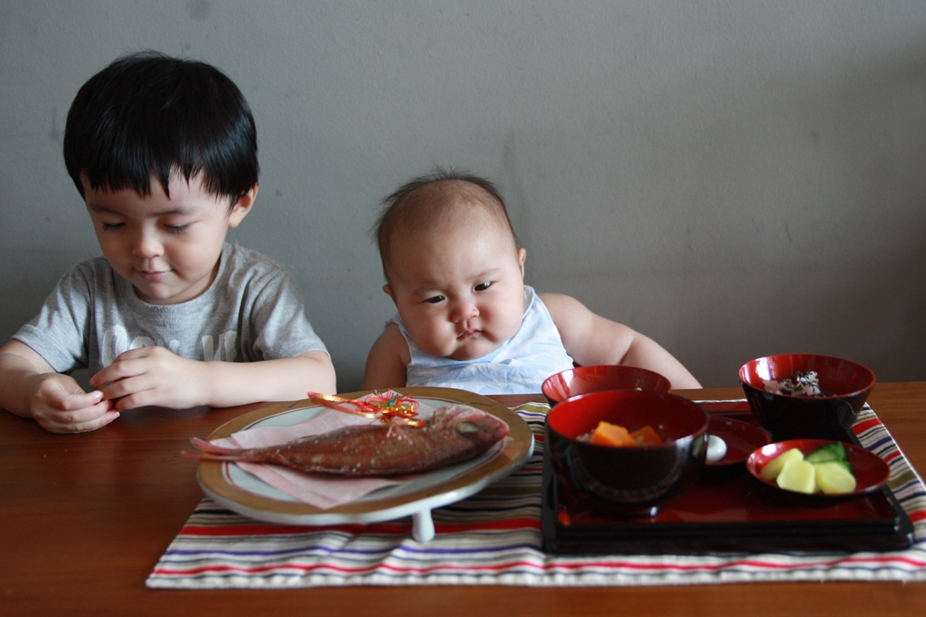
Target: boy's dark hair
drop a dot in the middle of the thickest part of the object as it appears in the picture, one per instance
(148, 113)
(409, 204)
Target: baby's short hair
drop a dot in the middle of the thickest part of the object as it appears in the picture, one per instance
(150, 114)
(423, 202)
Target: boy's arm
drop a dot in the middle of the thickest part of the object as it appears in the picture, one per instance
(155, 376)
(31, 388)
(283, 379)
(591, 339)
(387, 361)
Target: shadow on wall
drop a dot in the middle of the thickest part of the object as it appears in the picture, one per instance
(873, 314)
(881, 315)
(787, 219)
(875, 310)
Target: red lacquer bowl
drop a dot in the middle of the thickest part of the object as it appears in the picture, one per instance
(585, 379)
(870, 470)
(631, 481)
(800, 417)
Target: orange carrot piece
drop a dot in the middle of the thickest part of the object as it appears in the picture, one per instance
(646, 435)
(607, 434)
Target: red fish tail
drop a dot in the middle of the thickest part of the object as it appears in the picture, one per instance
(211, 448)
(212, 452)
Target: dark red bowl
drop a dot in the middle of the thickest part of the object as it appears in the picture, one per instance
(585, 379)
(635, 481)
(796, 417)
(870, 470)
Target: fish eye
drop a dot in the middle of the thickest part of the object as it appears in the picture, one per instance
(466, 427)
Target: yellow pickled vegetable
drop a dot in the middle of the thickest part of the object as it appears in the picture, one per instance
(797, 475)
(832, 478)
(774, 466)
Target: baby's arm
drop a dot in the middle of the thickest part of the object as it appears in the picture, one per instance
(31, 388)
(591, 339)
(155, 376)
(387, 361)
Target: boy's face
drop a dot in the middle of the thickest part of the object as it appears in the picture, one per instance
(460, 289)
(167, 247)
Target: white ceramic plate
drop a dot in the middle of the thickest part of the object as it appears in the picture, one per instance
(237, 490)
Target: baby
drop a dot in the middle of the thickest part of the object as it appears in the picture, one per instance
(465, 317)
(164, 153)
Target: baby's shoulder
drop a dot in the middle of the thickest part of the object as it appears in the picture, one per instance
(390, 349)
(557, 303)
(568, 314)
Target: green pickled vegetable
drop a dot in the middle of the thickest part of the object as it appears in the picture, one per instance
(831, 452)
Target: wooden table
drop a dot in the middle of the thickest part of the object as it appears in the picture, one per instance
(84, 519)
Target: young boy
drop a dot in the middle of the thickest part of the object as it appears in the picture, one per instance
(164, 153)
(465, 318)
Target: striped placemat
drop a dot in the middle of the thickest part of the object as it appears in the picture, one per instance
(493, 538)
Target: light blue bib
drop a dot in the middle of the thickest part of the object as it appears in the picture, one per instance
(518, 366)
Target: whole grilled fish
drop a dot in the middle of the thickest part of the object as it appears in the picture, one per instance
(452, 434)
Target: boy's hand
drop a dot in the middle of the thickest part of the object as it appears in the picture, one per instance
(152, 376)
(59, 405)
(30, 387)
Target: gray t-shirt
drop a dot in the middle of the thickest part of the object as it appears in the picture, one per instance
(252, 311)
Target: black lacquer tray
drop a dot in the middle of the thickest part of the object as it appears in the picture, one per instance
(737, 514)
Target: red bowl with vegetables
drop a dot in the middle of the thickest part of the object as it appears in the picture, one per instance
(599, 378)
(633, 480)
(869, 470)
(805, 396)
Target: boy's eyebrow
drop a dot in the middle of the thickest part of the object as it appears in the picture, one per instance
(169, 212)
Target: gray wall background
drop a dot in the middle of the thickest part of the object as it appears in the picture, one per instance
(732, 178)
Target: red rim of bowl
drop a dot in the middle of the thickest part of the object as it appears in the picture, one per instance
(875, 470)
(670, 442)
(664, 385)
(869, 385)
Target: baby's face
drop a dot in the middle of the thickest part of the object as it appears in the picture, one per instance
(460, 291)
(167, 247)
